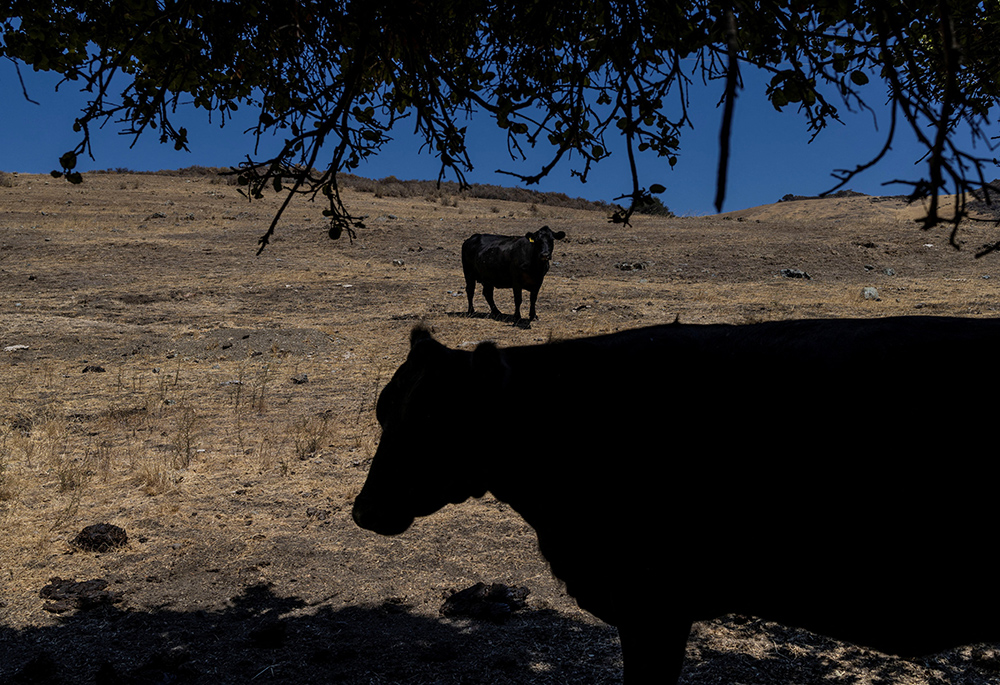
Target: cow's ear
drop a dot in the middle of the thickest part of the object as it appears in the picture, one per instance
(559, 235)
(489, 367)
(419, 334)
(423, 345)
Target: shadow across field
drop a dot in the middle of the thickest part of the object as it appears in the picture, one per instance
(262, 637)
(521, 323)
(267, 638)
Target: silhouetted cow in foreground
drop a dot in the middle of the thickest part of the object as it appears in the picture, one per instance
(500, 261)
(835, 475)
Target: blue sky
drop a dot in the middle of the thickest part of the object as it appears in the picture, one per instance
(770, 152)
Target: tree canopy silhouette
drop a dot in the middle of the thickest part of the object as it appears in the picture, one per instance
(333, 80)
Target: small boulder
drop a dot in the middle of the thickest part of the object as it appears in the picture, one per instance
(66, 595)
(100, 537)
(494, 602)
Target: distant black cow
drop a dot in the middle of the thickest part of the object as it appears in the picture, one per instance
(836, 475)
(500, 261)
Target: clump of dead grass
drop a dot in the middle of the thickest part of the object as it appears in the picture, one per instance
(310, 434)
(9, 482)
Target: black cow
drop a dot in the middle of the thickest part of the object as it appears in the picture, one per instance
(835, 475)
(500, 261)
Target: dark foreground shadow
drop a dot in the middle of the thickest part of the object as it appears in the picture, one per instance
(743, 649)
(266, 638)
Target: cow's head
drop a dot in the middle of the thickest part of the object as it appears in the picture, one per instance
(432, 451)
(542, 241)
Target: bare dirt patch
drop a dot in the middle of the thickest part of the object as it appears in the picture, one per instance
(218, 406)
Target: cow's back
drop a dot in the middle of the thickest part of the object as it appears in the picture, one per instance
(827, 474)
(490, 258)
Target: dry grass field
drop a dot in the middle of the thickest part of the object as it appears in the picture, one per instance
(219, 407)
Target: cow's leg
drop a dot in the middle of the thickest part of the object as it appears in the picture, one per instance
(533, 296)
(488, 294)
(654, 654)
(470, 290)
(517, 304)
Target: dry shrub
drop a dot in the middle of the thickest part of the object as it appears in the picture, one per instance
(310, 434)
(8, 481)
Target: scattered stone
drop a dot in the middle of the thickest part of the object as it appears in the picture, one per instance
(871, 293)
(66, 595)
(100, 537)
(630, 266)
(398, 262)
(300, 379)
(495, 602)
(94, 368)
(795, 273)
(15, 348)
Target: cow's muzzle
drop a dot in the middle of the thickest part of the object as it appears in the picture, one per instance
(381, 522)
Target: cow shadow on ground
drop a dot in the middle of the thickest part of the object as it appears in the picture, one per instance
(262, 637)
(503, 318)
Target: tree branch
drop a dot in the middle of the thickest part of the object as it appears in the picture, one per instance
(732, 79)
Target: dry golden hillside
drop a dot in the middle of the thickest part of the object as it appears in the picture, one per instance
(218, 406)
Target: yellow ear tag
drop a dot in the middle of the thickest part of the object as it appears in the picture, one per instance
(530, 239)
